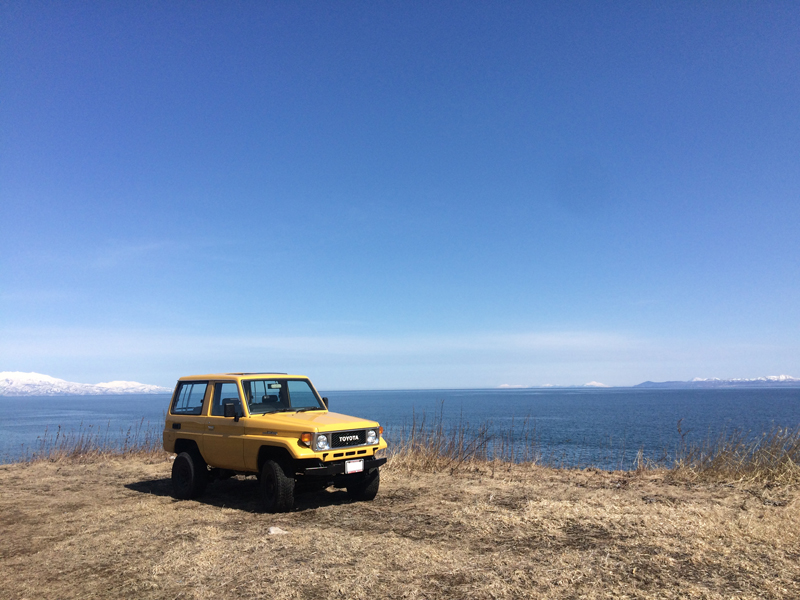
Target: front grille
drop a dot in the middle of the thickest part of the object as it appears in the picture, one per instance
(340, 439)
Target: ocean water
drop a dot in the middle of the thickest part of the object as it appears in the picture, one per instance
(575, 427)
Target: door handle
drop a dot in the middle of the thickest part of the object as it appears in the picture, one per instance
(211, 427)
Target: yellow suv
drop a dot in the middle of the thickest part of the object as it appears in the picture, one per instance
(273, 425)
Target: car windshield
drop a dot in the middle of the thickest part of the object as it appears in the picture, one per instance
(279, 395)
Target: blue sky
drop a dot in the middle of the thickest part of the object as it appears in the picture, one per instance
(400, 195)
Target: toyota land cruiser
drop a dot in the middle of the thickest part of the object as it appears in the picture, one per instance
(275, 426)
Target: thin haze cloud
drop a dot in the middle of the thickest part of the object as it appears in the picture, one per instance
(396, 361)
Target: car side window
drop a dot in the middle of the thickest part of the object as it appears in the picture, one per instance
(225, 392)
(189, 399)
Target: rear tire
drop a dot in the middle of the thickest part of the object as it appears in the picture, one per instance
(189, 476)
(367, 488)
(277, 488)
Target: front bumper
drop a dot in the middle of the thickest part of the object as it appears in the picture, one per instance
(337, 468)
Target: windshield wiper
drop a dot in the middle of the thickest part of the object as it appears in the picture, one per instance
(291, 409)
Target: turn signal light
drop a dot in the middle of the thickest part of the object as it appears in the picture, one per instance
(380, 430)
(306, 438)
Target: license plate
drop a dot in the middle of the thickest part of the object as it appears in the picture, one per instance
(354, 466)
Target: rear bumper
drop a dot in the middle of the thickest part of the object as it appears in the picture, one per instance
(337, 468)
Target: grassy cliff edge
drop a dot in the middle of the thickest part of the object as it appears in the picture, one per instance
(104, 525)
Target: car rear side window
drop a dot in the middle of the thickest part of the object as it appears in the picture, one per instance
(189, 399)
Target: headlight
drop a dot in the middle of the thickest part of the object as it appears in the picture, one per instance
(372, 436)
(322, 443)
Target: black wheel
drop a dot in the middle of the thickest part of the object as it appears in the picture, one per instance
(367, 488)
(189, 476)
(277, 488)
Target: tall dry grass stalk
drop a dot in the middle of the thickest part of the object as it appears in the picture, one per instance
(431, 445)
(736, 455)
(428, 445)
(90, 442)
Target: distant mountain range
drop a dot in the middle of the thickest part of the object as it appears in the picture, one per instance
(714, 382)
(697, 382)
(508, 386)
(15, 383)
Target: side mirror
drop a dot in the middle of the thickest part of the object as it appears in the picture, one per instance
(325, 401)
(229, 410)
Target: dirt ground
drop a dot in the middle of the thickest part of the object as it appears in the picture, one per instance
(110, 529)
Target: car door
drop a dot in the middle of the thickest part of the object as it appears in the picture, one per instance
(223, 438)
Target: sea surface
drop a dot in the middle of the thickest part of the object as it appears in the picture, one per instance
(605, 428)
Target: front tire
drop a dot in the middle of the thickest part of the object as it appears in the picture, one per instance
(367, 488)
(277, 488)
(189, 476)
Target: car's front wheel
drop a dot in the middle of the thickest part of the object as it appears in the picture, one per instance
(277, 488)
(189, 476)
(367, 488)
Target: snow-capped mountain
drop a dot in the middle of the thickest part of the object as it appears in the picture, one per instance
(16, 383)
(708, 382)
(510, 386)
(773, 378)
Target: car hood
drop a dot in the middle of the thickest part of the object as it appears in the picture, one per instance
(317, 420)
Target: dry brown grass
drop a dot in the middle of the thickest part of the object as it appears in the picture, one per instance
(90, 442)
(107, 527)
(773, 457)
(733, 455)
(90, 515)
(429, 446)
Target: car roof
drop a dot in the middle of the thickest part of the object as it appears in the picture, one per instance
(237, 376)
